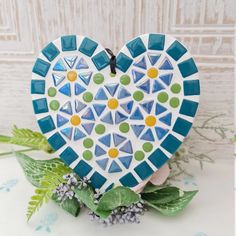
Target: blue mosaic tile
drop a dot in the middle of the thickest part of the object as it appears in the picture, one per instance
(82, 169)
(67, 108)
(160, 132)
(108, 118)
(137, 75)
(99, 151)
(111, 88)
(118, 139)
(127, 148)
(101, 95)
(147, 106)
(88, 46)
(99, 108)
(82, 64)
(148, 135)
(136, 47)
(158, 158)
(79, 106)
(126, 161)
(123, 93)
(40, 105)
(106, 140)
(59, 66)
(78, 134)
(127, 106)
(67, 132)
(156, 41)
(88, 127)
(57, 79)
(166, 119)
(128, 180)
(137, 129)
(166, 65)
(114, 168)
(50, 51)
(56, 141)
(141, 63)
(85, 77)
(166, 78)
(61, 120)
(143, 170)
(182, 126)
(188, 108)
(176, 50)
(191, 87)
(68, 155)
(145, 86)
(46, 124)
(41, 67)
(137, 115)
(153, 58)
(119, 117)
(171, 144)
(37, 86)
(70, 60)
(65, 89)
(103, 163)
(97, 180)
(68, 43)
(157, 87)
(123, 62)
(88, 114)
(187, 68)
(101, 60)
(159, 109)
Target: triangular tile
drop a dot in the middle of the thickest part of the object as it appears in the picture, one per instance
(145, 86)
(141, 63)
(88, 115)
(106, 140)
(70, 60)
(118, 139)
(153, 58)
(79, 89)
(65, 89)
(103, 163)
(137, 129)
(147, 106)
(85, 77)
(57, 79)
(88, 127)
(166, 119)
(137, 115)
(126, 161)
(67, 108)
(127, 106)
(59, 66)
(111, 88)
(127, 148)
(119, 117)
(79, 106)
(137, 75)
(166, 78)
(78, 134)
(61, 120)
(123, 93)
(107, 118)
(101, 95)
(67, 132)
(148, 135)
(82, 64)
(114, 167)
(99, 151)
(159, 109)
(166, 65)
(99, 108)
(157, 86)
(161, 132)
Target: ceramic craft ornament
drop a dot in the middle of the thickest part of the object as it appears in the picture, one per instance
(115, 129)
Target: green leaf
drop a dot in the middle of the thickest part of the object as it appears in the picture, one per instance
(149, 188)
(36, 169)
(116, 197)
(163, 195)
(174, 207)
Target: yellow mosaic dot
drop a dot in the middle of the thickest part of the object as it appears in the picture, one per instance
(152, 73)
(113, 152)
(150, 120)
(72, 75)
(113, 103)
(75, 120)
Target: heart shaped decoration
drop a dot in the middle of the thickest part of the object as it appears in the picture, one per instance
(115, 129)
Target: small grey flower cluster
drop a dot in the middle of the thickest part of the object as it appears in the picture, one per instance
(83, 183)
(122, 215)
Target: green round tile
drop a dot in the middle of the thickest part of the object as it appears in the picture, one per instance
(88, 143)
(147, 147)
(100, 129)
(124, 127)
(88, 97)
(54, 105)
(162, 97)
(125, 79)
(87, 155)
(98, 78)
(175, 88)
(52, 92)
(139, 155)
(174, 102)
(138, 96)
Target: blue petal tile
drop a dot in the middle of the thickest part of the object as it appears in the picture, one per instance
(119, 117)
(57, 79)
(79, 89)
(41, 67)
(182, 126)
(101, 95)
(171, 144)
(157, 86)
(158, 158)
(67, 132)
(70, 60)
(127, 148)
(88, 127)
(161, 132)
(137, 129)
(176, 50)
(126, 161)
(128, 180)
(82, 64)
(166, 65)
(123, 93)
(106, 140)
(40, 105)
(137, 115)
(166, 119)
(137, 75)
(107, 118)
(37, 86)
(88, 114)
(78, 134)
(103, 163)
(65, 89)
(99, 108)
(188, 108)
(127, 106)
(136, 47)
(101, 60)
(187, 67)
(143, 170)
(145, 86)
(85, 77)
(147, 106)
(123, 62)
(50, 51)
(97, 180)
(156, 41)
(68, 43)
(153, 58)
(159, 109)
(59, 66)
(88, 46)
(118, 139)
(111, 88)
(56, 141)
(141, 63)
(68, 155)
(67, 108)
(82, 169)
(99, 151)
(46, 124)
(61, 120)
(191, 87)
(114, 167)
(166, 78)
(148, 135)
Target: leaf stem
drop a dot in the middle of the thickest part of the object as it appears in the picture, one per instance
(23, 150)
(5, 139)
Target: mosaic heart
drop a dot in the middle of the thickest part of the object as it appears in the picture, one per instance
(115, 129)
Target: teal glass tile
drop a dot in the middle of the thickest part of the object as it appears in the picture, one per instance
(176, 50)
(82, 169)
(109, 187)
(187, 67)
(191, 87)
(136, 47)
(143, 170)
(156, 41)
(37, 86)
(188, 108)
(123, 62)
(50, 51)
(182, 126)
(171, 144)
(68, 155)
(40, 105)
(97, 180)
(128, 180)
(46, 124)
(101, 60)
(158, 158)
(56, 141)
(68, 43)
(41, 67)
(88, 47)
